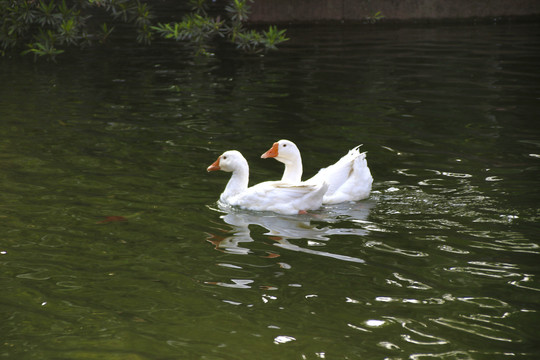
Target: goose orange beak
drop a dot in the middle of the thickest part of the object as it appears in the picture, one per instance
(273, 152)
(214, 166)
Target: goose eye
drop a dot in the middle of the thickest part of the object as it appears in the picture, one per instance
(224, 157)
(284, 145)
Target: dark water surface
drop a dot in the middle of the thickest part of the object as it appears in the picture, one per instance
(441, 262)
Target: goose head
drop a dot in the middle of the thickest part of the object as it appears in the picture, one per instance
(229, 161)
(284, 151)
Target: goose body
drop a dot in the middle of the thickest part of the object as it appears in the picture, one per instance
(349, 179)
(277, 196)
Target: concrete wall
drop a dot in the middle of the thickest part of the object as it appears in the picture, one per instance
(279, 11)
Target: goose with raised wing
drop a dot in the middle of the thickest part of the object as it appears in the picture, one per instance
(349, 179)
(277, 196)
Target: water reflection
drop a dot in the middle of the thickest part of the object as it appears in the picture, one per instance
(316, 227)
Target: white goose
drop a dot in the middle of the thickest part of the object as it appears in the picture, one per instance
(276, 196)
(349, 179)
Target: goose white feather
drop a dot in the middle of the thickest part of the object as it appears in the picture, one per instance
(349, 179)
(277, 196)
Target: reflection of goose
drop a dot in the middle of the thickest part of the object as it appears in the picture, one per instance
(290, 227)
(240, 234)
(282, 228)
(276, 196)
(349, 179)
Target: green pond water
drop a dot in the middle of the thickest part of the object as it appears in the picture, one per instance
(112, 245)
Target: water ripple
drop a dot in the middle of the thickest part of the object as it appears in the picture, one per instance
(37, 274)
(526, 282)
(492, 331)
(510, 242)
(484, 302)
(450, 355)
(419, 336)
(388, 248)
(488, 269)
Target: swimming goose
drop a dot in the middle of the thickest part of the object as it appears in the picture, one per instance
(349, 179)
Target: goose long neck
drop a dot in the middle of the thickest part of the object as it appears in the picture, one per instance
(293, 170)
(238, 182)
